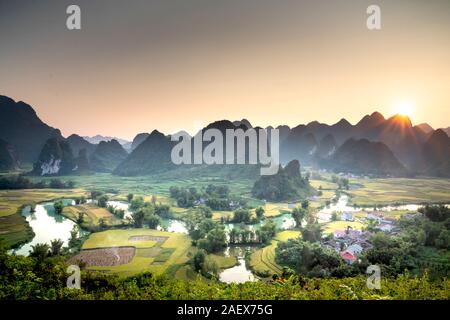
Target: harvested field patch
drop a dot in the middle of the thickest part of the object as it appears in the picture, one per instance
(105, 256)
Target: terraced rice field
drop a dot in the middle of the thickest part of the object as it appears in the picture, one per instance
(262, 261)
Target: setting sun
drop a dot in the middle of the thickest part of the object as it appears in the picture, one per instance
(404, 108)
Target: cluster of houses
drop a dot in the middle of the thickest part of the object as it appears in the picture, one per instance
(350, 243)
(233, 205)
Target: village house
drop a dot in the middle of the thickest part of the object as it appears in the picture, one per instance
(348, 257)
(347, 216)
(355, 249)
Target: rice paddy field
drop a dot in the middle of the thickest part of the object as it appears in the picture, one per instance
(153, 185)
(334, 226)
(154, 250)
(262, 261)
(368, 192)
(91, 215)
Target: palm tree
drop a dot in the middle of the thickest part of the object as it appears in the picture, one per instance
(39, 251)
(56, 246)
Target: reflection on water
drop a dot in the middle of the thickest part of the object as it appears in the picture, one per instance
(47, 226)
(121, 205)
(283, 222)
(172, 225)
(239, 273)
(341, 205)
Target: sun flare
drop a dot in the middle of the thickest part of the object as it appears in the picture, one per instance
(404, 108)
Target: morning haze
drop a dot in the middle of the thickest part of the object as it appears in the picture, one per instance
(170, 64)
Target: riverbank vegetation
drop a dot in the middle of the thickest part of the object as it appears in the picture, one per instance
(45, 277)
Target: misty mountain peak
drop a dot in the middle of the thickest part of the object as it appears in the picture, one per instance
(244, 122)
(425, 127)
(439, 136)
(377, 116)
(343, 123)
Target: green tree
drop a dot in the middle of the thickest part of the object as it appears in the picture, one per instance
(267, 232)
(136, 203)
(102, 224)
(56, 247)
(74, 241)
(334, 216)
(305, 204)
(138, 218)
(130, 197)
(102, 201)
(80, 218)
(198, 260)
(307, 258)
(95, 194)
(215, 240)
(58, 205)
(259, 212)
(312, 232)
(162, 210)
(241, 215)
(233, 235)
(298, 214)
(152, 221)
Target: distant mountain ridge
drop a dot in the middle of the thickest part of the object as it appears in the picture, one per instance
(99, 138)
(419, 148)
(107, 156)
(21, 127)
(436, 155)
(78, 143)
(150, 156)
(365, 157)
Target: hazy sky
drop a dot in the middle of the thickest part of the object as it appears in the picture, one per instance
(175, 64)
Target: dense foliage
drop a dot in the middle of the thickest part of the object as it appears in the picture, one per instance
(21, 182)
(46, 278)
(215, 197)
(206, 233)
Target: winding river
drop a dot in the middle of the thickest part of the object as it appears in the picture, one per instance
(47, 226)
